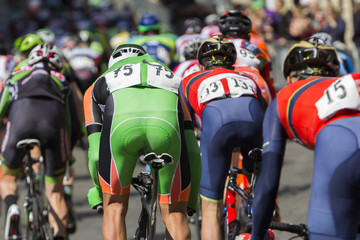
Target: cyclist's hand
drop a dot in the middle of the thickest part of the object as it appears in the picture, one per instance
(94, 197)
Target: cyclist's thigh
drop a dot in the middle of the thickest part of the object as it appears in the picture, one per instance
(334, 208)
(134, 119)
(227, 123)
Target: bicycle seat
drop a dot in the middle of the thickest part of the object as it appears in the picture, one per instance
(256, 154)
(158, 161)
(27, 143)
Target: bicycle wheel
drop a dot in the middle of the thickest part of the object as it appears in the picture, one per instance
(142, 230)
(229, 230)
(30, 231)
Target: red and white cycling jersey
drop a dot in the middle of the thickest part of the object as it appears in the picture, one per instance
(188, 67)
(181, 42)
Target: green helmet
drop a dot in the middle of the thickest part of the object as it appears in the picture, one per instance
(29, 42)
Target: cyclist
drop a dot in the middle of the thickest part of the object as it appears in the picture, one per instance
(346, 65)
(29, 41)
(7, 63)
(192, 28)
(321, 111)
(191, 64)
(84, 59)
(74, 113)
(231, 110)
(160, 46)
(30, 90)
(133, 106)
(46, 35)
(237, 26)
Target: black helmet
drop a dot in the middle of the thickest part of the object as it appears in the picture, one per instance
(217, 51)
(235, 23)
(191, 49)
(311, 59)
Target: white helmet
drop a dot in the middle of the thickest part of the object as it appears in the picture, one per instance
(48, 54)
(124, 51)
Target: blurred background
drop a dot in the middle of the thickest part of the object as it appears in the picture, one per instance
(279, 23)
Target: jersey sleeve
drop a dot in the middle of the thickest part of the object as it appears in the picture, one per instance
(4, 102)
(93, 123)
(93, 104)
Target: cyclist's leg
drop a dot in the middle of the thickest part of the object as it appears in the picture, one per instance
(55, 149)
(223, 129)
(12, 159)
(121, 139)
(165, 135)
(334, 208)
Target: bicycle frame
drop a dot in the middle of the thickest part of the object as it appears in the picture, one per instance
(234, 224)
(148, 188)
(37, 227)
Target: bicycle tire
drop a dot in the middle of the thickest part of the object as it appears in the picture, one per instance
(142, 230)
(30, 232)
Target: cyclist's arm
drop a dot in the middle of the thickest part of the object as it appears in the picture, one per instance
(4, 102)
(193, 151)
(268, 181)
(93, 123)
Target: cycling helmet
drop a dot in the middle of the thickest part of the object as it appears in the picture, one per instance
(46, 35)
(124, 51)
(235, 23)
(211, 19)
(190, 51)
(217, 51)
(321, 36)
(192, 25)
(148, 22)
(47, 53)
(30, 40)
(311, 59)
(85, 36)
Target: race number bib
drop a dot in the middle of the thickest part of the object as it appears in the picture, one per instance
(245, 58)
(123, 77)
(130, 75)
(228, 86)
(342, 94)
(161, 77)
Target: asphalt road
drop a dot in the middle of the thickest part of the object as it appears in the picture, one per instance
(293, 196)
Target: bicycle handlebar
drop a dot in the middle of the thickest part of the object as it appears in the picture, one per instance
(99, 209)
(299, 229)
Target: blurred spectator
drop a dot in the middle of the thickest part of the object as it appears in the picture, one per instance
(282, 22)
(334, 24)
(356, 37)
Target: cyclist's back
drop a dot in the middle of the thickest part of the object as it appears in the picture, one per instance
(141, 113)
(314, 110)
(236, 26)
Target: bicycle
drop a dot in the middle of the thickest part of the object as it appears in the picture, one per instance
(236, 219)
(36, 213)
(147, 186)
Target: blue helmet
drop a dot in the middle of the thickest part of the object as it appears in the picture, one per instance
(148, 22)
